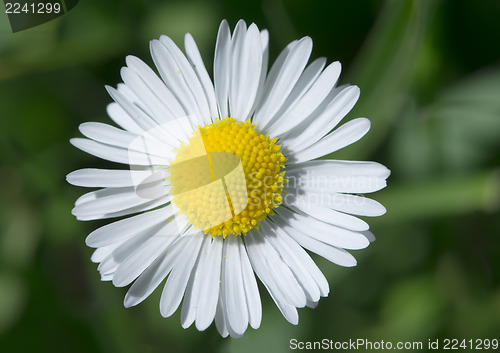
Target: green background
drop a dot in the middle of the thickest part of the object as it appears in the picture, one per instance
(429, 73)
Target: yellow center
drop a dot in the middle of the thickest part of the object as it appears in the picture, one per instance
(228, 177)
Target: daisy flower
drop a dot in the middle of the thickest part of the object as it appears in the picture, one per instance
(223, 185)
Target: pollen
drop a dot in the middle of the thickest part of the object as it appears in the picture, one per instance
(227, 177)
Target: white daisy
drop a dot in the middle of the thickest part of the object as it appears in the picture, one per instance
(224, 181)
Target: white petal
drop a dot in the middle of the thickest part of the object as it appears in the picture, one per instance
(305, 81)
(117, 154)
(264, 38)
(120, 117)
(173, 78)
(156, 272)
(281, 80)
(246, 70)
(338, 176)
(188, 308)
(193, 289)
(112, 192)
(233, 291)
(129, 95)
(275, 275)
(303, 277)
(322, 167)
(209, 284)
(159, 93)
(146, 206)
(190, 77)
(120, 138)
(222, 68)
(91, 177)
(311, 304)
(196, 61)
(110, 200)
(107, 267)
(145, 254)
(167, 123)
(307, 103)
(369, 235)
(176, 283)
(312, 208)
(346, 203)
(324, 232)
(269, 82)
(138, 113)
(197, 288)
(220, 320)
(345, 135)
(232, 333)
(339, 102)
(126, 228)
(174, 122)
(331, 253)
(306, 261)
(288, 311)
(107, 277)
(104, 251)
(251, 290)
(235, 57)
(148, 98)
(156, 86)
(110, 263)
(161, 138)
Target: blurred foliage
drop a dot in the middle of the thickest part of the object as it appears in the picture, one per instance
(429, 73)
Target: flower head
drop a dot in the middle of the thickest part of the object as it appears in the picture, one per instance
(223, 180)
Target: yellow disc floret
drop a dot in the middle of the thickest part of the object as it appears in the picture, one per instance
(228, 177)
